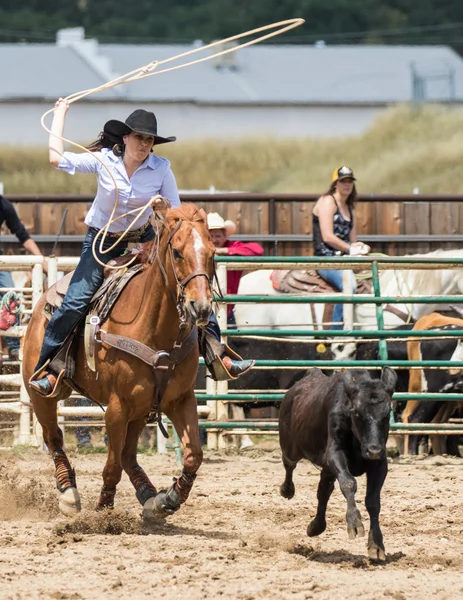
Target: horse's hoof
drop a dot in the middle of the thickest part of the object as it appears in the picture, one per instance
(69, 502)
(151, 511)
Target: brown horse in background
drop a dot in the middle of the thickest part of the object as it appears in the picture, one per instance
(158, 307)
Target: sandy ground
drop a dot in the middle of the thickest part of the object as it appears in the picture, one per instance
(235, 537)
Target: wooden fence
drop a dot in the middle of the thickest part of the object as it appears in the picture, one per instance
(393, 224)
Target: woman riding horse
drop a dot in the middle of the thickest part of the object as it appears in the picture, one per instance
(145, 361)
(126, 150)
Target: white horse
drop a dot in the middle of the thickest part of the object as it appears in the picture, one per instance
(401, 282)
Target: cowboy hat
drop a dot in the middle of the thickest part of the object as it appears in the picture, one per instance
(215, 221)
(140, 121)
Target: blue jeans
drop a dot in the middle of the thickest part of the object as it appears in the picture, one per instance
(6, 281)
(334, 277)
(87, 279)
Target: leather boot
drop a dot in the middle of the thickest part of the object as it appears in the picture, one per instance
(222, 362)
(45, 385)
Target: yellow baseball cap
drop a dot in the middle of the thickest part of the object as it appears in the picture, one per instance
(343, 173)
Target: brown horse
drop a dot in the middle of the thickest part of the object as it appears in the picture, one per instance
(159, 307)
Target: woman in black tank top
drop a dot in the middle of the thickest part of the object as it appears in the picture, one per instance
(334, 230)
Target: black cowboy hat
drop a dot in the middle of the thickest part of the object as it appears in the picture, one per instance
(140, 121)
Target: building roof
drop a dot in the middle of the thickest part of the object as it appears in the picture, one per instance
(45, 71)
(260, 74)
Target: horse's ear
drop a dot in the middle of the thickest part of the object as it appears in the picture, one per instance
(202, 214)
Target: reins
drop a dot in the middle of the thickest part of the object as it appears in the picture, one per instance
(179, 300)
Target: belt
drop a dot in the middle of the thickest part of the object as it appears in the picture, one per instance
(134, 234)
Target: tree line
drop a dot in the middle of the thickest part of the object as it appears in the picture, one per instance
(183, 21)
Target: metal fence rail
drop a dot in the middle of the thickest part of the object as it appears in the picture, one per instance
(220, 393)
(217, 396)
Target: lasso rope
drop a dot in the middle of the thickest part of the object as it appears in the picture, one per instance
(148, 71)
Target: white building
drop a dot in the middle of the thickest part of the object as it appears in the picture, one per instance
(265, 90)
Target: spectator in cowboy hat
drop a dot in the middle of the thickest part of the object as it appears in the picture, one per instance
(220, 230)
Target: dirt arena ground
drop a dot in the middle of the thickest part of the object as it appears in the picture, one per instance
(234, 538)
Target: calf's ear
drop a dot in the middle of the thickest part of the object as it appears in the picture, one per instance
(350, 384)
(389, 378)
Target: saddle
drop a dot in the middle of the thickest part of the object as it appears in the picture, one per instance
(56, 292)
(296, 282)
(309, 281)
(99, 308)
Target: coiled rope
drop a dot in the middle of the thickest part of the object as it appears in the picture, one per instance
(148, 71)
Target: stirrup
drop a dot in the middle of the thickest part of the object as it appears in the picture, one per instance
(42, 372)
(214, 353)
(238, 367)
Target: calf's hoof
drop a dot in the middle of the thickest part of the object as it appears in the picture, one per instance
(287, 490)
(355, 526)
(376, 547)
(376, 553)
(316, 527)
(69, 502)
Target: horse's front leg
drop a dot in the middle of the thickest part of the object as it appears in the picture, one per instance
(45, 410)
(144, 489)
(184, 416)
(116, 431)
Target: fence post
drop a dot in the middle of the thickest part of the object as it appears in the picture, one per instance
(212, 436)
(347, 290)
(379, 309)
(380, 322)
(161, 442)
(26, 434)
(222, 386)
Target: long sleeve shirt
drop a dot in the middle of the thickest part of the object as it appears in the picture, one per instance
(152, 177)
(233, 277)
(9, 216)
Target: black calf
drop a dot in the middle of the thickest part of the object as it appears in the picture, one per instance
(341, 424)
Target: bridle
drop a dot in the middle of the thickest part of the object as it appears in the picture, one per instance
(179, 297)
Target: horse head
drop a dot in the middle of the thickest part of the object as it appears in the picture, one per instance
(189, 260)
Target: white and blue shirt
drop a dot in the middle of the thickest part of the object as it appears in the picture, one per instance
(153, 177)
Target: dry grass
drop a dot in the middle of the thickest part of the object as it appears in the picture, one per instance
(404, 149)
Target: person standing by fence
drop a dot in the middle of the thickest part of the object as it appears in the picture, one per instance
(9, 217)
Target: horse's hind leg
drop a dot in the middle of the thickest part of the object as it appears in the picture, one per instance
(45, 410)
(184, 416)
(116, 430)
(144, 489)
